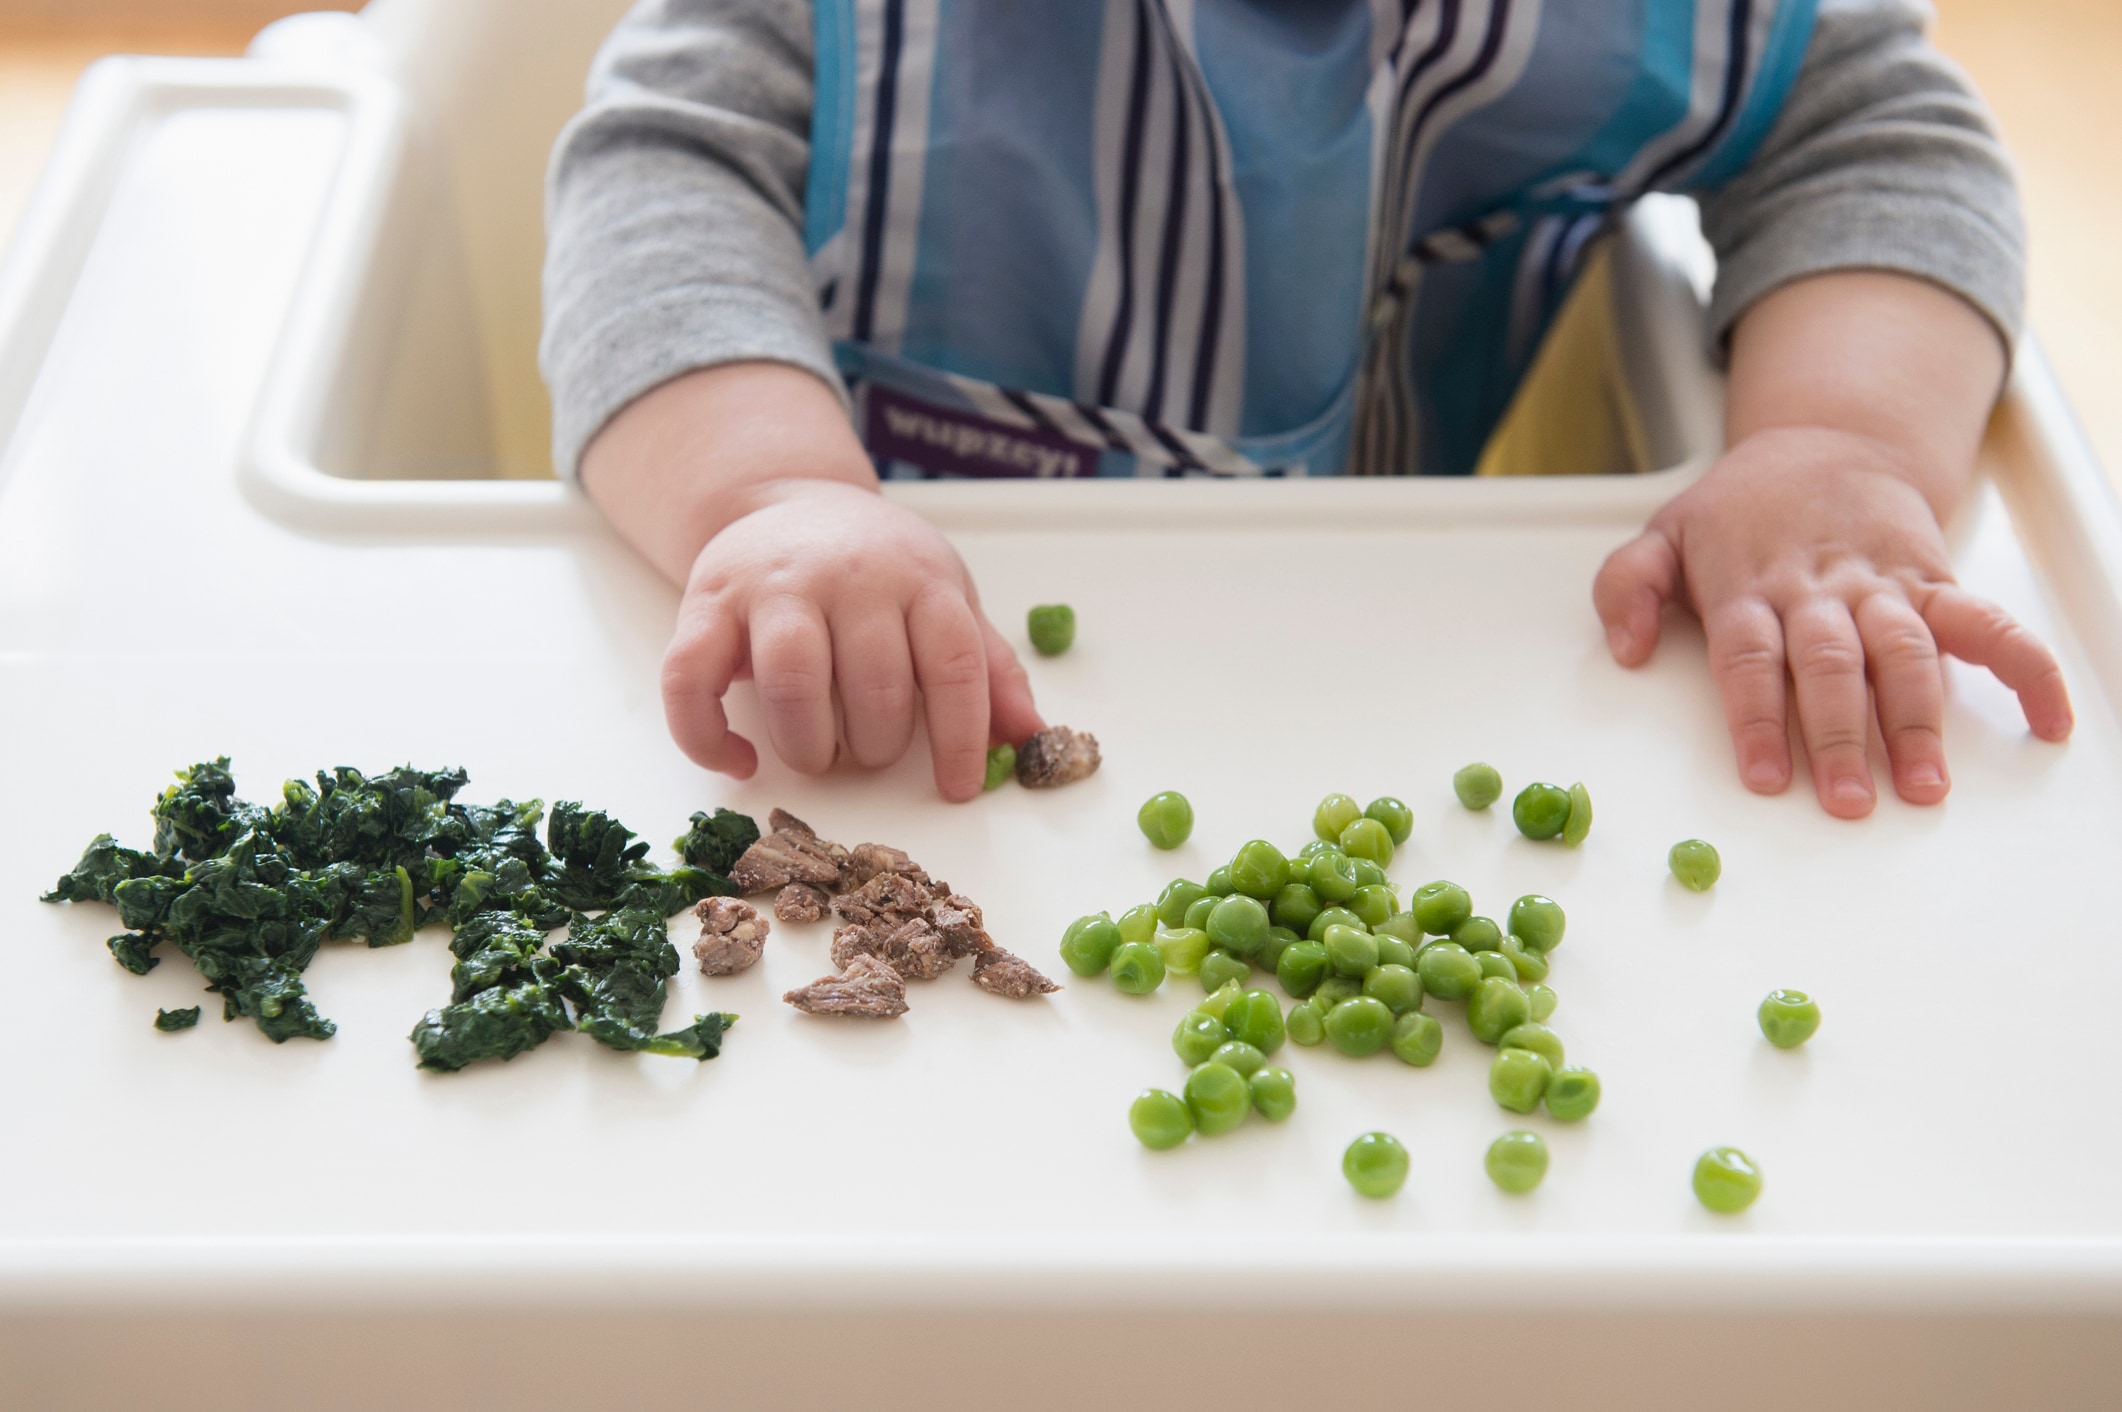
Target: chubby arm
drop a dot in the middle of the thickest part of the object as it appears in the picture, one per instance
(1812, 550)
(745, 483)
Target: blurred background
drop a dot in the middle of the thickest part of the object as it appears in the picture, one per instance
(2051, 68)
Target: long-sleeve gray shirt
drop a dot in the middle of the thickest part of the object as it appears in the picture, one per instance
(675, 201)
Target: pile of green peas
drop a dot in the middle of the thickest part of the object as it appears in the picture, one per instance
(1359, 967)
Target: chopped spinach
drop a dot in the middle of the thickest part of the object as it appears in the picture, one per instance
(171, 1021)
(251, 894)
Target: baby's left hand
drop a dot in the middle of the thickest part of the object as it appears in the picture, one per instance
(1812, 560)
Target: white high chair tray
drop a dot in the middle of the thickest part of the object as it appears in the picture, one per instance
(1942, 1151)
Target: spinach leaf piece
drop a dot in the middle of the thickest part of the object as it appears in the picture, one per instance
(715, 842)
(135, 951)
(170, 1021)
(495, 1024)
(701, 1040)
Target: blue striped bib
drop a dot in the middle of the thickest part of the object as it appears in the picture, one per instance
(1241, 237)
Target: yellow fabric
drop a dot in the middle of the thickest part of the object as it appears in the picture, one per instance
(1568, 417)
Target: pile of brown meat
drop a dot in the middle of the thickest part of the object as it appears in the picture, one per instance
(896, 923)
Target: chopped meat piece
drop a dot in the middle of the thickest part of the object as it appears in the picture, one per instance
(958, 919)
(781, 821)
(1008, 975)
(801, 902)
(887, 897)
(867, 988)
(1056, 756)
(913, 948)
(732, 934)
(867, 860)
(788, 854)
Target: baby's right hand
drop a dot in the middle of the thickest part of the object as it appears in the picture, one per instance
(824, 588)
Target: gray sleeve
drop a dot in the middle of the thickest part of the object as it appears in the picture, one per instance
(1884, 158)
(674, 210)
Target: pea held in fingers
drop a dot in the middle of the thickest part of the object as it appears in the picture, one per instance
(1788, 1018)
(1001, 765)
(1166, 818)
(1052, 627)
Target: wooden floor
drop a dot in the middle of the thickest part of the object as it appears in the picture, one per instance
(2051, 68)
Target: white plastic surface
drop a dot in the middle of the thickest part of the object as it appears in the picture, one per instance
(1943, 1147)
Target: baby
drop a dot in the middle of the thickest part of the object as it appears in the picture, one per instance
(793, 242)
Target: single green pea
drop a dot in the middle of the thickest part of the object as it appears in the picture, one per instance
(1336, 990)
(1788, 1018)
(1302, 967)
(1543, 1002)
(1495, 1008)
(1367, 838)
(1538, 1038)
(1197, 1037)
(1219, 968)
(1295, 906)
(1448, 971)
(1541, 810)
(1573, 1093)
(1052, 627)
(1402, 925)
(1237, 1054)
(1239, 925)
(1001, 764)
(1217, 1096)
(1177, 896)
(1219, 883)
(1352, 951)
(1374, 904)
(1478, 785)
(1332, 917)
(1166, 819)
(1696, 864)
(1159, 1119)
(1517, 1161)
(1183, 949)
(1359, 1026)
(1312, 848)
(1479, 934)
(1305, 1024)
(1375, 1165)
(1399, 820)
(1255, 1018)
(1398, 986)
(1726, 1180)
(1088, 944)
(1218, 1000)
(1417, 1038)
(1332, 876)
(1274, 1093)
(1369, 874)
(1259, 870)
(1138, 969)
(1335, 813)
(1538, 922)
(1495, 963)
(1440, 906)
(1394, 952)
(1530, 964)
(1517, 1078)
(1138, 923)
(1279, 940)
(1578, 826)
(1197, 914)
